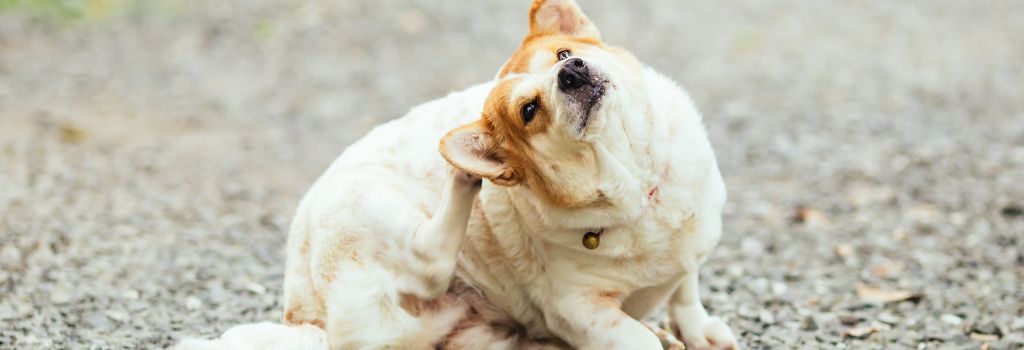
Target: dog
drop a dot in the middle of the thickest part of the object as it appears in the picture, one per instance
(600, 198)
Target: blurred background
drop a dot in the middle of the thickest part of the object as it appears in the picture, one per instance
(152, 153)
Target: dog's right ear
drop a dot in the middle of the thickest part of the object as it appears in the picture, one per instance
(470, 149)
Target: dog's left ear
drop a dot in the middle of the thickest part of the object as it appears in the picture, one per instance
(560, 17)
(470, 149)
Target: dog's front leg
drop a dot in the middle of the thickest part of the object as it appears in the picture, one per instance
(699, 331)
(433, 249)
(591, 321)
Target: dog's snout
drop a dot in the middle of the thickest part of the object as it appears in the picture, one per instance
(574, 73)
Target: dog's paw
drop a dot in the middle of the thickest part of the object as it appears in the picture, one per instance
(668, 341)
(712, 334)
(466, 179)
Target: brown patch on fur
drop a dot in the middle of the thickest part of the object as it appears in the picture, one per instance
(416, 306)
(473, 319)
(521, 59)
(550, 38)
(426, 211)
(291, 318)
(609, 299)
(345, 248)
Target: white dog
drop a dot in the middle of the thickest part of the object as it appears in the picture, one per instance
(602, 198)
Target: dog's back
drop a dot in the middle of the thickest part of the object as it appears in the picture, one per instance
(353, 215)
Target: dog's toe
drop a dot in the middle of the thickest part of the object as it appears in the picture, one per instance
(712, 334)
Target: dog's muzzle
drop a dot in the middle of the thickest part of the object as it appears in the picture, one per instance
(583, 87)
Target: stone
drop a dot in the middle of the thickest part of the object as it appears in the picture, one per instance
(951, 319)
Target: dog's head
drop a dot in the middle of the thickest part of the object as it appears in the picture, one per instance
(558, 117)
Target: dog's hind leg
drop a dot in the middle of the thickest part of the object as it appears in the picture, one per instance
(366, 282)
(364, 311)
(430, 255)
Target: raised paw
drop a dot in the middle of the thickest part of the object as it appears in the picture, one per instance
(711, 334)
(466, 179)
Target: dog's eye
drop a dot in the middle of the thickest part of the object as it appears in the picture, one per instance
(563, 54)
(529, 110)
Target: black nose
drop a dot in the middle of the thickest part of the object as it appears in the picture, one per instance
(574, 74)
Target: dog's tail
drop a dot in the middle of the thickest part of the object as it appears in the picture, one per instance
(262, 336)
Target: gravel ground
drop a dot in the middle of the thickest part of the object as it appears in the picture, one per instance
(152, 152)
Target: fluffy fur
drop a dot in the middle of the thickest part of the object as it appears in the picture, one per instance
(391, 248)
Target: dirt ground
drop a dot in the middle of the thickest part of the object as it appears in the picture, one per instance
(152, 152)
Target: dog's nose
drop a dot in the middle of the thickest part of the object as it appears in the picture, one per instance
(574, 74)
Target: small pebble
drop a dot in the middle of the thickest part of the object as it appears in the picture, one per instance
(130, 294)
(193, 303)
(10, 256)
(256, 288)
(987, 327)
(808, 323)
(115, 315)
(951, 319)
(850, 320)
(59, 295)
(1018, 324)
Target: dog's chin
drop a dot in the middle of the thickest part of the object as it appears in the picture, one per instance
(590, 106)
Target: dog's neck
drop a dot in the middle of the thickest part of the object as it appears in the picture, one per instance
(632, 158)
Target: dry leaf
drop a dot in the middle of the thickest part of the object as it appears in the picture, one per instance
(860, 332)
(810, 217)
(882, 296)
(71, 134)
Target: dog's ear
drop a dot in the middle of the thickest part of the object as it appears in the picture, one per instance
(560, 17)
(470, 149)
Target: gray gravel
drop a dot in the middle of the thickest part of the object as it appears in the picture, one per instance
(152, 152)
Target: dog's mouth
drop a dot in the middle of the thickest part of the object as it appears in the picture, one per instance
(589, 101)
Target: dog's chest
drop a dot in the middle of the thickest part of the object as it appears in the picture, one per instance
(522, 273)
(628, 257)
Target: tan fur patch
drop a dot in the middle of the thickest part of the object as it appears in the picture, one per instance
(610, 299)
(344, 249)
(292, 318)
(521, 59)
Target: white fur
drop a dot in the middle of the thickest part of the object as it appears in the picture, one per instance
(389, 219)
(378, 182)
(262, 336)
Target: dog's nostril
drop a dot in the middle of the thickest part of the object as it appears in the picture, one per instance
(569, 80)
(573, 74)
